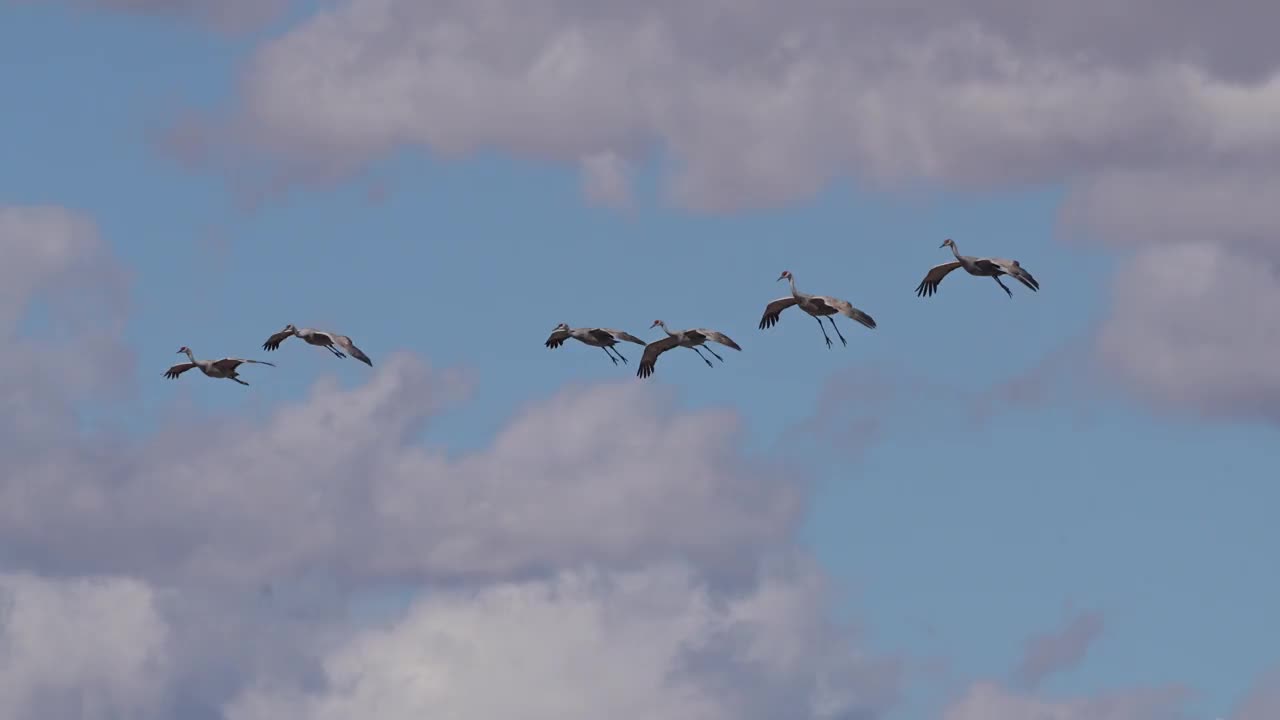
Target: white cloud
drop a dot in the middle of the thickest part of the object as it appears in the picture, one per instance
(1193, 328)
(764, 103)
(651, 644)
(85, 648)
(607, 474)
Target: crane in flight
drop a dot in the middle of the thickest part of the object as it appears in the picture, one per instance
(692, 339)
(319, 338)
(603, 338)
(224, 368)
(981, 267)
(818, 306)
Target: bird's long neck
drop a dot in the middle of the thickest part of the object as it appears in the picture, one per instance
(666, 330)
(794, 292)
(955, 250)
(190, 354)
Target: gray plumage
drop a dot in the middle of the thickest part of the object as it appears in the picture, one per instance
(224, 368)
(981, 267)
(603, 338)
(692, 339)
(818, 306)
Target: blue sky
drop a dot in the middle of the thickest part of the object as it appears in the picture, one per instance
(948, 537)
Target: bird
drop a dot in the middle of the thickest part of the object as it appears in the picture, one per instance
(982, 267)
(819, 306)
(321, 338)
(692, 339)
(224, 368)
(603, 338)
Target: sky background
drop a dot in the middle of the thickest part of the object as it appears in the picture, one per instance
(1058, 503)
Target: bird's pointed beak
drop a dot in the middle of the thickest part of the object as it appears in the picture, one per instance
(942, 245)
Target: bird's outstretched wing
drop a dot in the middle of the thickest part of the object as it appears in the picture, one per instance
(350, 347)
(233, 363)
(274, 341)
(849, 311)
(178, 369)
(1015, 270)
(651, 353)
(718, 337)
(774, 309)
(557, 338)
(929, 285)
(624, 336)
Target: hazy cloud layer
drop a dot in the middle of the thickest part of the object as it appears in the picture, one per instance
(986, 701)
(60, 289)
(1263, 701)
(1054, 652)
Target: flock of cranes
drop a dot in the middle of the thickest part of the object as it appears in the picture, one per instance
(607, 339)
(817, 306)
(227, 368)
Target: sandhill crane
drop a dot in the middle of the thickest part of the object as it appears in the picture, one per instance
(982, 267)
(603, 338)
(323, 339)
(692, 339)
(224, 368)
(819, 306)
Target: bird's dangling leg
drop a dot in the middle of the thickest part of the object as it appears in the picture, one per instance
(621, 357)
(837, 329)
(233, 377)
(1006, 290)
(704, 357)
(606, 352)
(713, 352)
(823, 328)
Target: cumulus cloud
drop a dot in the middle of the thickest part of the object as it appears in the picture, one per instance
(607, 474)
(1192, 329)
(649, 644)
(759, 103)
(1055, 652)
(86, 648)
